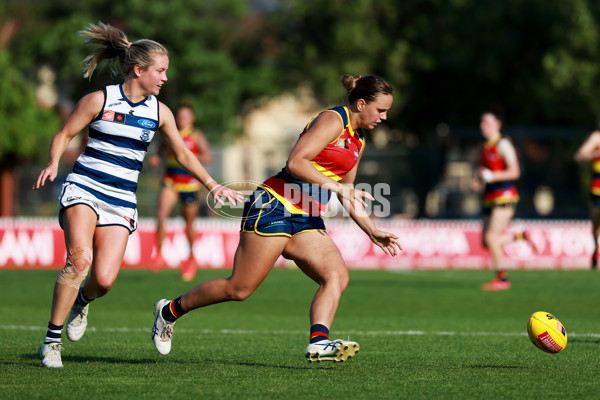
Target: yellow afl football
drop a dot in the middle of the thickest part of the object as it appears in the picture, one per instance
(546, 332)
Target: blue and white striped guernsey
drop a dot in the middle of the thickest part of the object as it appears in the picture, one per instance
(118, 141)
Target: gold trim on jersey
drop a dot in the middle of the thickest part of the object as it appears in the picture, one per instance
(326, 172)
(286, 203)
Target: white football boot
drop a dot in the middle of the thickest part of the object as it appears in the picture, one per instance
(50, 355)
(77, 322)
(162, 331)
(331, 350)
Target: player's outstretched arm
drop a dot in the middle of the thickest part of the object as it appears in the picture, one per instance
(590, 149)
(85, 111)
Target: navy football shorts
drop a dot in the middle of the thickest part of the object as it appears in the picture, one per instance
(266, 216)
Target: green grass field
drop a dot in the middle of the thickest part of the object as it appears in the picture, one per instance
(423, 335)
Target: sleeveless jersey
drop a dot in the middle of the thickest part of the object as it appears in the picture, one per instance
(497, 192)
(118, 141)
(595, 182)
(176, 177)
(334, 161)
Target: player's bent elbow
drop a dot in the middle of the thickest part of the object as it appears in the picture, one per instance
(294, 166)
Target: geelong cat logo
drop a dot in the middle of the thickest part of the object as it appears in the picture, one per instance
(146, 123)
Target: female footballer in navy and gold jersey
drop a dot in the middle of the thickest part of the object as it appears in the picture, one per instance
(499, 169)
(282, 217)
(590, 151)
(180, 185)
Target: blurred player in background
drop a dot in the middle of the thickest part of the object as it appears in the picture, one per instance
(180, 185)
(499, 169)
(283, 217)
(98, 209)
(590, 151)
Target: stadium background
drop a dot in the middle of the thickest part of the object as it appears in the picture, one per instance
(256, 71)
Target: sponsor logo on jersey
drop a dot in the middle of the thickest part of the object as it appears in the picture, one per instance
(114, 104)
(145, 136)
(113, 116)
(146, 123)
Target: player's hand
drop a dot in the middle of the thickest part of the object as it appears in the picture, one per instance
(356, 198)
(220, 193)
(154, 160)
(388, 242)
(49, 172)
(475, 184)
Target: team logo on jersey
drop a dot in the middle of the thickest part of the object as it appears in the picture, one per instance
(113, 116)
(146, 123)
(145, 136)
(342, 143)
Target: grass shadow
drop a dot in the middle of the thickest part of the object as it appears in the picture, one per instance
(265, 365)
(92, 360)
(494, 366)
(585, 340)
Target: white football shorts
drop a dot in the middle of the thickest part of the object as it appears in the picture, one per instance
(107, 214)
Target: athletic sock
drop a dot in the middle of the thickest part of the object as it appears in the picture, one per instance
(173, 310)
(318, 332)
(54, 333)
(501, 274)
(82, 300)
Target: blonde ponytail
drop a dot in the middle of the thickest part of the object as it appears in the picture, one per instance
(112, 44)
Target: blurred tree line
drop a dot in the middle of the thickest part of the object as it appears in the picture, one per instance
(535, 61)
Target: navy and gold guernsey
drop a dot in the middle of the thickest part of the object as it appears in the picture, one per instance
(595, 182)
(286, 205)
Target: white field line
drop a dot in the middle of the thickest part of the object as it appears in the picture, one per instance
(292, 332)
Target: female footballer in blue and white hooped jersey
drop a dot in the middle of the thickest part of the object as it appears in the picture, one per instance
(109, 168)
(98, 202)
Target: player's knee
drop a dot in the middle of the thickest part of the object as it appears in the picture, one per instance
(338, 280)
(343, 281)
(79, 261)
(102, 287)
(489, 239)
(103, 283)
(236, 293)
